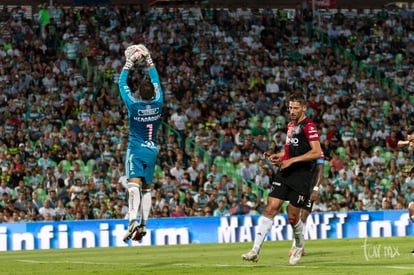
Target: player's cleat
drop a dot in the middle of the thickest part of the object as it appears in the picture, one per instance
(139, 233)
(412, 251)
(132, 227)
(251, 256)
(296, 255)
(303, 252)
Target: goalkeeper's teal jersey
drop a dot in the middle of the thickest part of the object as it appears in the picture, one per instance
(144, 119)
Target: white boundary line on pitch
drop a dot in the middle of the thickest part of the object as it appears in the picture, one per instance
(192, 265)
(239, 265)
(401, 267)
(287, 266)
(65, 262)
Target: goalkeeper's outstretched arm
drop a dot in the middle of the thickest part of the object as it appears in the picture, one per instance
(124, 90)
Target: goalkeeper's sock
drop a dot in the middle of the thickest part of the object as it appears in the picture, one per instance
(145, 205)
(262, 230)
(133, 200)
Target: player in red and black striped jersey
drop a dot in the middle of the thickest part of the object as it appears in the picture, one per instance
(293, 180)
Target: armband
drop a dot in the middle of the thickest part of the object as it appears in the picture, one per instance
(316, 188)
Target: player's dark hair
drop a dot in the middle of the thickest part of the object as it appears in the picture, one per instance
(297, 98)
(410, 130)
(146, 90)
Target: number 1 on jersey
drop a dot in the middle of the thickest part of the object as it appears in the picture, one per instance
(150, 129)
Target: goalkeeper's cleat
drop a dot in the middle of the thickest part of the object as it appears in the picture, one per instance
(251, 256)
(132, 227)
(139, 233)
(296, 255)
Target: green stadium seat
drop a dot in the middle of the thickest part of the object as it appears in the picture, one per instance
(41, 194)
(90, 163)
(326, 168)
(219, 161)
(54, 164)
(227, 168)
(81, 164)
(386, 183)
(252, 121)
(388, 156)
(246, 132)
(265, 196)
(380, 148)
(386, 106)
(341, 151)
(88, 168)
(267, 121)
(158, 172)
(412, 99)
(66, 165)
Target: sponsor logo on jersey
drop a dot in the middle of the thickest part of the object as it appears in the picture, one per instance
(156, 87)
(277, 183)
(148, 114)
(293, 141)
(149, 111)
(149, 144)
(314, 136)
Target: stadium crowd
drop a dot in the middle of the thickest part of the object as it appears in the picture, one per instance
(225, 75)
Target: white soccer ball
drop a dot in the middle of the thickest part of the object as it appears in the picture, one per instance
(136, 53)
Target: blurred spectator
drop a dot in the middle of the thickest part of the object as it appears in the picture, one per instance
(221, 211)
(43, 141)
(178, 212)
(46, 212)
(370, 203)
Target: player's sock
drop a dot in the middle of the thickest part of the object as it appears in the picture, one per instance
(133, 201)
(303, 233)
(262, 230)
(146, 205)
(298, 233)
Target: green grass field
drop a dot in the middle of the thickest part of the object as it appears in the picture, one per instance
(347, 256)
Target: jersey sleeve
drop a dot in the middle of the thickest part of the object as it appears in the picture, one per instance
(311, 132)
(155, 80)
(124, 89)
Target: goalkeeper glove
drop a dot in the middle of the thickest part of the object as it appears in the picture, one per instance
(128, 65)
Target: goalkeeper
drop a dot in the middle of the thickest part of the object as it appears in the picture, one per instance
(144, 115)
